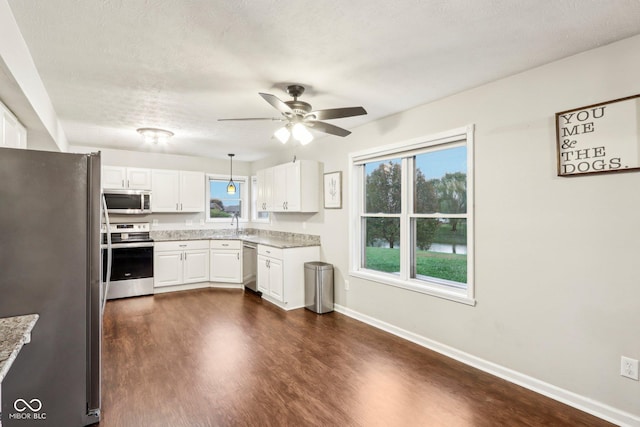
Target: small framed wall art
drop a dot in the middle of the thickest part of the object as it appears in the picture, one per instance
(333, 190)
(599, 138)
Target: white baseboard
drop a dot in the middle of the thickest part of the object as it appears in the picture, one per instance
(175, 288)
(567, 397)
(227, 285)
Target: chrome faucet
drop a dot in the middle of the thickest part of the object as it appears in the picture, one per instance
(237, 219)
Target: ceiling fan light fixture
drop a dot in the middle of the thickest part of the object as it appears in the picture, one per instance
(301, 134)
(282, 134)
(231, 187)
(155, 135)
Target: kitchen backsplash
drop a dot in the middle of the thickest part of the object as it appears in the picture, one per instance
(204, 233)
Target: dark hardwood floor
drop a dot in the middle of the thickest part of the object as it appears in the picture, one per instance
(226, 358)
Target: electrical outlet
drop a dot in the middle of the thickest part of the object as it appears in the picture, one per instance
(629, 368)
(346, 285)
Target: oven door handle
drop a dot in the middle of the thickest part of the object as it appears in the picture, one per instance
(132, 245)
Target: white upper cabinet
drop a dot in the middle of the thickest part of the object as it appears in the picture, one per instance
(265, 189)
(290, 187)
(192, 186)
(177, 191)
(12, 133)
(118, 177)
(138, 179)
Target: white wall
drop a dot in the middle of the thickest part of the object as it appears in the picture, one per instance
(23, 90)
(557, 277)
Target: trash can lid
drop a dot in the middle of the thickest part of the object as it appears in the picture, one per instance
(318, 265)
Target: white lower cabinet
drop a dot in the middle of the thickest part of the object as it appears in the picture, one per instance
(181, 262)
(281, 274)
(225, 261)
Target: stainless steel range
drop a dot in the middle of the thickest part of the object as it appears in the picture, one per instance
(131, 260)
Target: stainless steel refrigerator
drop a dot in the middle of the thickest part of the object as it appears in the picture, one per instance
(50, 265)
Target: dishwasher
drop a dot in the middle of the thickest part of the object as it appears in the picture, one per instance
(249, 266)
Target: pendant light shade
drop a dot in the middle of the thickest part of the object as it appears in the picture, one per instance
(231, 187)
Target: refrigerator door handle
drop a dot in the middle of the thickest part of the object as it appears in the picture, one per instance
(109, 254)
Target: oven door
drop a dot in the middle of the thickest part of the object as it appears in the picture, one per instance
(131, 270)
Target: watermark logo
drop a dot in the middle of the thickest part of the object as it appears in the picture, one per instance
(21, 405)
(27, 410)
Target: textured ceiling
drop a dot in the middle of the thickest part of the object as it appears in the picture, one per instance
(112, 66)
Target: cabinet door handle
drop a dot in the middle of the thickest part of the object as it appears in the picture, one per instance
(128, 183)
(180, 257)
(177, 208)
(123, 183)
(181, 206)
(185, 256)
(238, 255)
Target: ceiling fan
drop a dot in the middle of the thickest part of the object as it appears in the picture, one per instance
(300, 117)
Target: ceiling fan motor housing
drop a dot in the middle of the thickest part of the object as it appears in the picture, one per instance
(299, 107)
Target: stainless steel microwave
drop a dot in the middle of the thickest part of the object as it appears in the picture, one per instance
(130, 202)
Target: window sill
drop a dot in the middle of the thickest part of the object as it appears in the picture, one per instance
(439, 291)
(221, 220)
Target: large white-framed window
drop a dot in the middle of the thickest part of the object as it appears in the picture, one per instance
(256, 215)
(221, 206)
(411, 221)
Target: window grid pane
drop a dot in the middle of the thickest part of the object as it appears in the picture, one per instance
(221, 204)
(440, 181)
(439, 249)
(383, 185)
(382, 244)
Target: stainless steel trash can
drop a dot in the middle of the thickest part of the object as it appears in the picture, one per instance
(318, 287)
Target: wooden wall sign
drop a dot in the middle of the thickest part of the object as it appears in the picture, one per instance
(599, 138)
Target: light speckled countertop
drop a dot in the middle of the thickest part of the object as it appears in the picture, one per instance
(274, 239)
(14, 332)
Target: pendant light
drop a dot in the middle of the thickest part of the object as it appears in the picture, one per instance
(231, 187)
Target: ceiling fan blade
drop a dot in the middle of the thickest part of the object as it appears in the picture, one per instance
(276, 103)
(327, 128)
(275, 119)
(336, 113)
